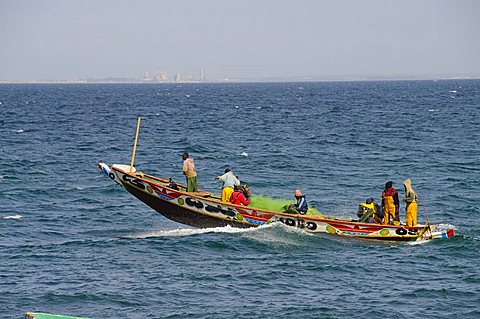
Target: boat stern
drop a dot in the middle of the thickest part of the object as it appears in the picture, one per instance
(443, 231)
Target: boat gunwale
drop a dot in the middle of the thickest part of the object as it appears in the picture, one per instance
(141, 175)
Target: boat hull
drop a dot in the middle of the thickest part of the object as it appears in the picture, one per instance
(180, 214)
(202, 211)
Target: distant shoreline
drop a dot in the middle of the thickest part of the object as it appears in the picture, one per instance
(259, 80)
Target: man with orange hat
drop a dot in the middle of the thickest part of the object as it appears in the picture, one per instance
(301, 204)
(300, 207)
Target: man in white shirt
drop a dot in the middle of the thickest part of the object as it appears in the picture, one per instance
(229, 182)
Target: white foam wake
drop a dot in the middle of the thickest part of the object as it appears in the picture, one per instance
(418, 242)
(446, 227)
(182, 232)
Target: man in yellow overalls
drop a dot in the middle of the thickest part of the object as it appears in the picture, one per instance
(411, 201)
(390, 204)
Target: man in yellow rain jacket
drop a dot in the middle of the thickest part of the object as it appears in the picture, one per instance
(369, 212)
(390, 204)
(411, 201)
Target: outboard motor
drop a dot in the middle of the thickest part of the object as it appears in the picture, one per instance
(172, 184)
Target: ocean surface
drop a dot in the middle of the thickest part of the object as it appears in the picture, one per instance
(72, 242)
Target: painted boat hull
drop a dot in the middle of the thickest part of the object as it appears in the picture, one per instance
(31, 315)
(202, 211)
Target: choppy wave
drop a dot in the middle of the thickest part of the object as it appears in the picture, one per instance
(88, 247)
(16, 217)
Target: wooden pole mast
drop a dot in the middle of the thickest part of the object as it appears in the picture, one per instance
(135, 145)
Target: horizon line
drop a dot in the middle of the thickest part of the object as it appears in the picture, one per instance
(265, 79)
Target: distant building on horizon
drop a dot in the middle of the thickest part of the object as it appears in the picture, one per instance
(178, 78)
(146, 77)
(161, 76)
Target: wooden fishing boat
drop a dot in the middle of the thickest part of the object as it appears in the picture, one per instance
(35, 315)
(203, 209)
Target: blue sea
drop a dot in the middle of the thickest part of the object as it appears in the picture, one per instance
(74, 243)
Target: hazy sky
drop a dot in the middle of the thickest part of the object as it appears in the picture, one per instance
(72, 39)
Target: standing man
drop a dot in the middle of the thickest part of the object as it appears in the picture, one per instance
(411, 201)
(229, 182)
(390, 204)
(189, 172)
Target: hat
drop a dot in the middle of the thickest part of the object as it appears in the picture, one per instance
(298, 192)
(369, 200)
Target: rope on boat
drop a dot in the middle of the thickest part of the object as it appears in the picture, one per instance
(427, 223)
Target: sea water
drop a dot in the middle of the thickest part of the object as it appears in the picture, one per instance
(72, 242)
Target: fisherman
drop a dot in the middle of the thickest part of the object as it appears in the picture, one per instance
(390, 204)
(369, 212)
(189, 172)
(411, 202)
(238, 196)
(229, 182)
(300, 207)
